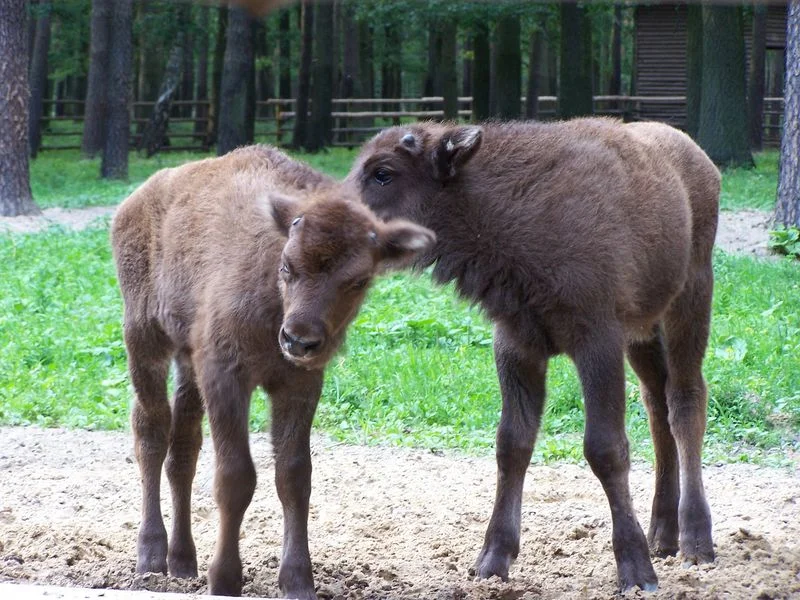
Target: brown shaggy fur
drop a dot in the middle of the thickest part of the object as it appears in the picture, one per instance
(591, 238)
(219, 274)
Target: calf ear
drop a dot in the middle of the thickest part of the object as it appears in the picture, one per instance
(454, 148)
(285, 211)
(401, 241)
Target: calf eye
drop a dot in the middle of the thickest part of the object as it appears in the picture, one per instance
(285, 271)
(383, 176)
(360, 284)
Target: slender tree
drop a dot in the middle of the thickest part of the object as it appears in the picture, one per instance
(787, 207)
(449, 74)
(755, 81)
(615, 84)
(201, 93)
(466, 67)
(575, 81)
(321, 122)
(186, 32)
(15, 187)
(722, 132)
(508, 67)
(481, 68)
(236, 94)
(94, 123)
(285, 54)
(216, 75)
(535, 65)
(38, 76)
(694, 67)
(114, 164)
(366, 69)
(304, 75)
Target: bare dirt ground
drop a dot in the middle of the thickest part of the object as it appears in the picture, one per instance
(385, 523)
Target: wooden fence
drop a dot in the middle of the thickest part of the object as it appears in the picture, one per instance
(355, 119)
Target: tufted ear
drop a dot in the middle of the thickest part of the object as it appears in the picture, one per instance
(285, 211)
(401, 241)
(454, 148)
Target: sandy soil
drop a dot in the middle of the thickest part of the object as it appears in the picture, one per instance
(385, 523)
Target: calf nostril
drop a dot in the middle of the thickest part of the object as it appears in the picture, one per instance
(310, 345)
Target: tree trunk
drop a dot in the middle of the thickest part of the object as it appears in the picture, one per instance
(694, 67)
(466, 67)
(187, 67)
(433, 76)
(216, 75)
(481, 68)
(534, 72)
(366, 70)
(755, 87)
(38, 77)
(94, 123)
(264, 75)
(236, 93)
(285, 54)
(449, 74)
(350, 85)
(508, 67)
(391, 73)
(575, 86)
(321, 123)
(787, 207)
(201, 114)
(115, 150)
(615, 85)
(15, 187)
(155, 134)
(304, 76)
(722, 132)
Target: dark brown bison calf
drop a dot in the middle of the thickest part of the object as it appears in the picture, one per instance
(590, 238)
(246, 270)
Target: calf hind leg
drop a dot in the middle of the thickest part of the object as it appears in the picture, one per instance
(686, 327)
(600, 365)
(522, 384)
(185, 439)
(648, 360)
(148, 364)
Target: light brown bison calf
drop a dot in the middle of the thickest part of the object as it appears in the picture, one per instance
(590, 238)
(246, 270)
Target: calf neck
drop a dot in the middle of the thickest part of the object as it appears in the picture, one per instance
(591, 238)
(245, 270)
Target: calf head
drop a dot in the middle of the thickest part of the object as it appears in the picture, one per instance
(334, 249)
(402, 169)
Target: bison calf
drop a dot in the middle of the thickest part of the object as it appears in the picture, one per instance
(590, 238)
(246, 270)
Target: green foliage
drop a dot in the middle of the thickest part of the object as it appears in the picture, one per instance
(785, 240)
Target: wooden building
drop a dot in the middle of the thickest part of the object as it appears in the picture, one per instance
(660, 59)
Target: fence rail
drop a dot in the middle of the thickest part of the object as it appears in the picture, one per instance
(356, 119)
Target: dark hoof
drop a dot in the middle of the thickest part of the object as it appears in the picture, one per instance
(182, 561)
(151, 553)
(663, 541)
(296, 581)
(637, 571)
(490, 564)
(697, 556)
(224, 584)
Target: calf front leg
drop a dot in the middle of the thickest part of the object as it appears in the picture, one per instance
(185, 439)
(521, 373)
(228, 403)
(294, 402)
(601, 370)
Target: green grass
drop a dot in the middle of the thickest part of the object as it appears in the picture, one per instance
(417, 368)
(751, 188)
(63, 178)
